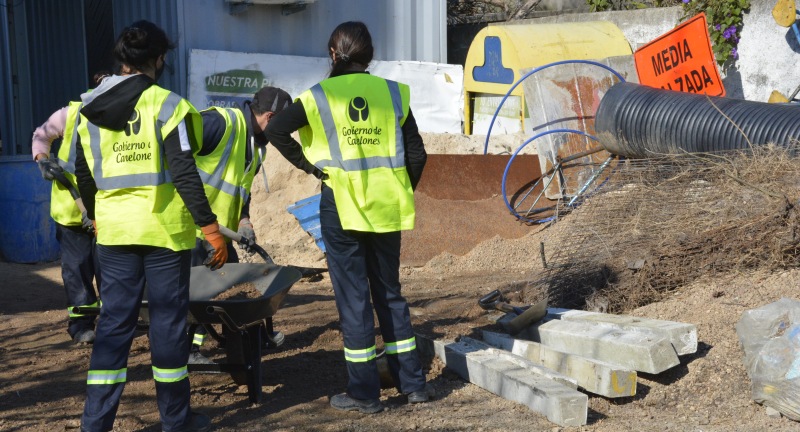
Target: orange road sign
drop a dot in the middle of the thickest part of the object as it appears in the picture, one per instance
(681, 60)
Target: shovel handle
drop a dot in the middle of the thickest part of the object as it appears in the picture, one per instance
(61, 178)
(238, 238)
(490, 301)
(495, 300)
(231, 234)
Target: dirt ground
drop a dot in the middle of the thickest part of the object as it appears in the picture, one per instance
(42, 374)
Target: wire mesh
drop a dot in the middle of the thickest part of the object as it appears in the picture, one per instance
(660, 223)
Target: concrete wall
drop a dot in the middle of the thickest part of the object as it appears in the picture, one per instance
(769, 55)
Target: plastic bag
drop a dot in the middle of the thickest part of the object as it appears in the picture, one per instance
(770, 338)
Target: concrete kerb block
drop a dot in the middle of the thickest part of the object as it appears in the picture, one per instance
(642, 351)
(498, 374)
(522, 362)
(592, 375)
(682, 336)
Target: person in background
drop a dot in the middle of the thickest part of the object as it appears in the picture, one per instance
(360, 138)
(136, 172)
(75, 237)
(233, 150)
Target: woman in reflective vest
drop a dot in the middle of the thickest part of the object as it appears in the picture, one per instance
(358, 135)
(79, 267)
(136, 173)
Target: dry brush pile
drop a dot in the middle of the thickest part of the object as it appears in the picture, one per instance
(660, 223)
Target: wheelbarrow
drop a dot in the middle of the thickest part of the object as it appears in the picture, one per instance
(244, 321)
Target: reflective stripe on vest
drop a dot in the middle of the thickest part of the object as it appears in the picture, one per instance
(214, 179)
(355, 136)
(401, 346)
(170, 375)
(107, 376)
(140, 179)
(361, 164)
(136, 201)
(226, 179)
(62, 206)
(359, 356)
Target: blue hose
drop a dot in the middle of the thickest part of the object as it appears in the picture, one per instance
(508, 166)
(497, 111)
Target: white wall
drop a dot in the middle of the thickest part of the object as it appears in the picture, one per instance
(769, 55)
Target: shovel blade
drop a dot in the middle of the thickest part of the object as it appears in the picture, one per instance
(531, 316)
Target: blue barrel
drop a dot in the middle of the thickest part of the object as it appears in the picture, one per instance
(27, 232)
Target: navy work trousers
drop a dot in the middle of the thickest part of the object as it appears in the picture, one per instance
(79, 269)
(364, 266)
(125, 271)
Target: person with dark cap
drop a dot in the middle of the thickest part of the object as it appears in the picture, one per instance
(136, 173)
(360, 138)
(233, 150)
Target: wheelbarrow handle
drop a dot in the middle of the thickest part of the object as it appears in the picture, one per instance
(85, 310)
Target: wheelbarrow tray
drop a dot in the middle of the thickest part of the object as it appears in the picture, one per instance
(272, 281)
(243, 320)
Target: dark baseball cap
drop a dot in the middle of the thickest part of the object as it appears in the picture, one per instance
(271, 99)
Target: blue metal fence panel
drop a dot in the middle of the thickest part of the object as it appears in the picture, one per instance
(410, 30)
(169, 16)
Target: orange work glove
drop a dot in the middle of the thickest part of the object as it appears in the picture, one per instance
(216, 258)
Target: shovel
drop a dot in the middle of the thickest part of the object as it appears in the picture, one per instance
(238, 238)
(526, 316)
(61, 178)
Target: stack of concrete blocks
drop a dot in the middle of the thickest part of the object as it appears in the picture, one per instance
(546, 365)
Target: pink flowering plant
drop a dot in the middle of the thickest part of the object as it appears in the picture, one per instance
(725, 19)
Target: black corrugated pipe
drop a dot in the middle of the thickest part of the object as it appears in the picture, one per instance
(637, 121)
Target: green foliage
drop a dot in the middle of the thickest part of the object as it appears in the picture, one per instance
(725, 19)
(607, 5)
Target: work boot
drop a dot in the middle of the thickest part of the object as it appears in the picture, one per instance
(196, 357)
(345, 402)
(274, 340)
(84, 336)
(197, 423)
(421, 396)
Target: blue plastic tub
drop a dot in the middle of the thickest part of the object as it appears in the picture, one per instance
(27, 232)
(306, 212)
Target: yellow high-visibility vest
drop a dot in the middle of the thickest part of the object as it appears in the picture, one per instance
(136, 201)
(354, 136)
(62, 206)
(226, 179)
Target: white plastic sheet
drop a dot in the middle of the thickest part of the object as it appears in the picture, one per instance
(224, 78)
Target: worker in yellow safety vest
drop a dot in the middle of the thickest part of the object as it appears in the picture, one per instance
(358, 135)
(74, 232)
(232, 153)
(137, 175)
